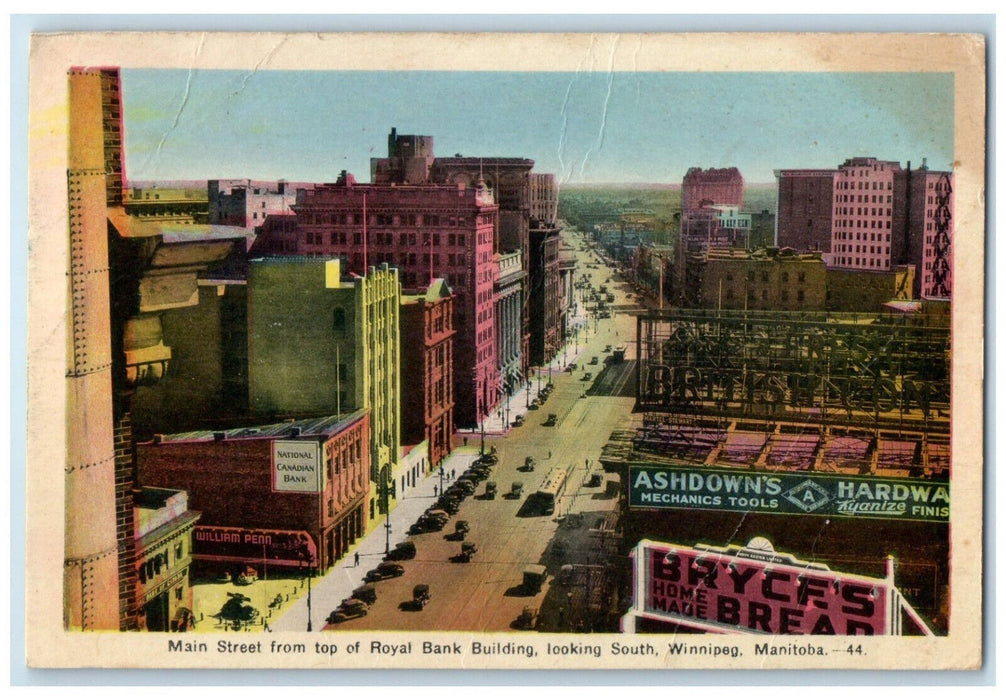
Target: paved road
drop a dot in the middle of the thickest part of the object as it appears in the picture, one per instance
(485, 594)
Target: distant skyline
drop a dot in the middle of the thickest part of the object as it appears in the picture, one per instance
(584, 127)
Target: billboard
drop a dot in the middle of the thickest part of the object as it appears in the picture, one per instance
(754, 590)
(296, 466)
(829, 367)
(793, 493)
(252, 546)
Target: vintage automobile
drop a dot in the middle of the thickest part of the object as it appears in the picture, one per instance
(551, 420)
(420, 595)
(516, 489)
(518, 421)
(461, 528)
(534, 578)
(367, 593)
(528, 464)
(466, 485)
(384, 570)
(527, 619)
(596, 479)
(402, 550)
(468, 550)
(593, 360)
(491, 490)
(587, 377)
(347, 610)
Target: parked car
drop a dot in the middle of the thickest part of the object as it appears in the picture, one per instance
(551, 420)
(587, 377)
(349, 609)
(468, 550)
(596, 479)
(384, 570)
(402, 550)
(527, 619)
(534, 578)
(593, 360)
(491, 490)
(517, 488)
(518, 421)
(367, 593)
(466, 485)
(461, 527)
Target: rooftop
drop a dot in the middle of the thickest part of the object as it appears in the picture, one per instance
(324, 426)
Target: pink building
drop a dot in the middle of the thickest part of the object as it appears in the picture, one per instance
(427, 232)
(713, 186)
(880, 216)
(864, 215)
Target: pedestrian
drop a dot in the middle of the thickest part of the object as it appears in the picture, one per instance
(434, 490)
(466, 441)
(356, 559)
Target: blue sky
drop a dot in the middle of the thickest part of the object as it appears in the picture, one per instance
(585, 127)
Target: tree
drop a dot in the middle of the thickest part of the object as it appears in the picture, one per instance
(236, 610)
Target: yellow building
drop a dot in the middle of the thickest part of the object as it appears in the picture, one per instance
(320, 344)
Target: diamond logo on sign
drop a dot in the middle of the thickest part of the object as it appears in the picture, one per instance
(807, 496)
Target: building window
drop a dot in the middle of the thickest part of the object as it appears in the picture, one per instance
(339, 319)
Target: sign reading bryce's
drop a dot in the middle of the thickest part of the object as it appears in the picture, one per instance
(296, 466)
(796, 493)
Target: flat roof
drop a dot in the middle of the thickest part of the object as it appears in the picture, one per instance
(323, 426)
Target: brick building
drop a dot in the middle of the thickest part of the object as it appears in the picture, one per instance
(762, 279)
(319, 344)
(426, 232)
(258, 483)
(427, 335)
(712, 186)
(882, 216)
(164, 527)
(544, 295)
(715, 226)
(804, 209)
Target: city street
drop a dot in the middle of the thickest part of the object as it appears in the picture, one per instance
(485, 594)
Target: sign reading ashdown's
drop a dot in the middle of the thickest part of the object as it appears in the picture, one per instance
(755, 590)
(800, 493)
(296, 466)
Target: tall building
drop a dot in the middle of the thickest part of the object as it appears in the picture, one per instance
(804, 209)
(426, 232)
(427, 333)
(882, 216)
(510, 303)
(712, 186)
(319, 344)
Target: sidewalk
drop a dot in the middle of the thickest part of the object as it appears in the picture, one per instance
(335, 586)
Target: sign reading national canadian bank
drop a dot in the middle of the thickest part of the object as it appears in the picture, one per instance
(296, 466)
(798, 493)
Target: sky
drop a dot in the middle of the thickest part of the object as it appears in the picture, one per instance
(603, 127)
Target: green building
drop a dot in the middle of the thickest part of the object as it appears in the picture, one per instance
(320, 344)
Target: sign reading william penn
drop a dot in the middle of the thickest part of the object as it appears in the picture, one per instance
(800, 493)
(296, 466)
